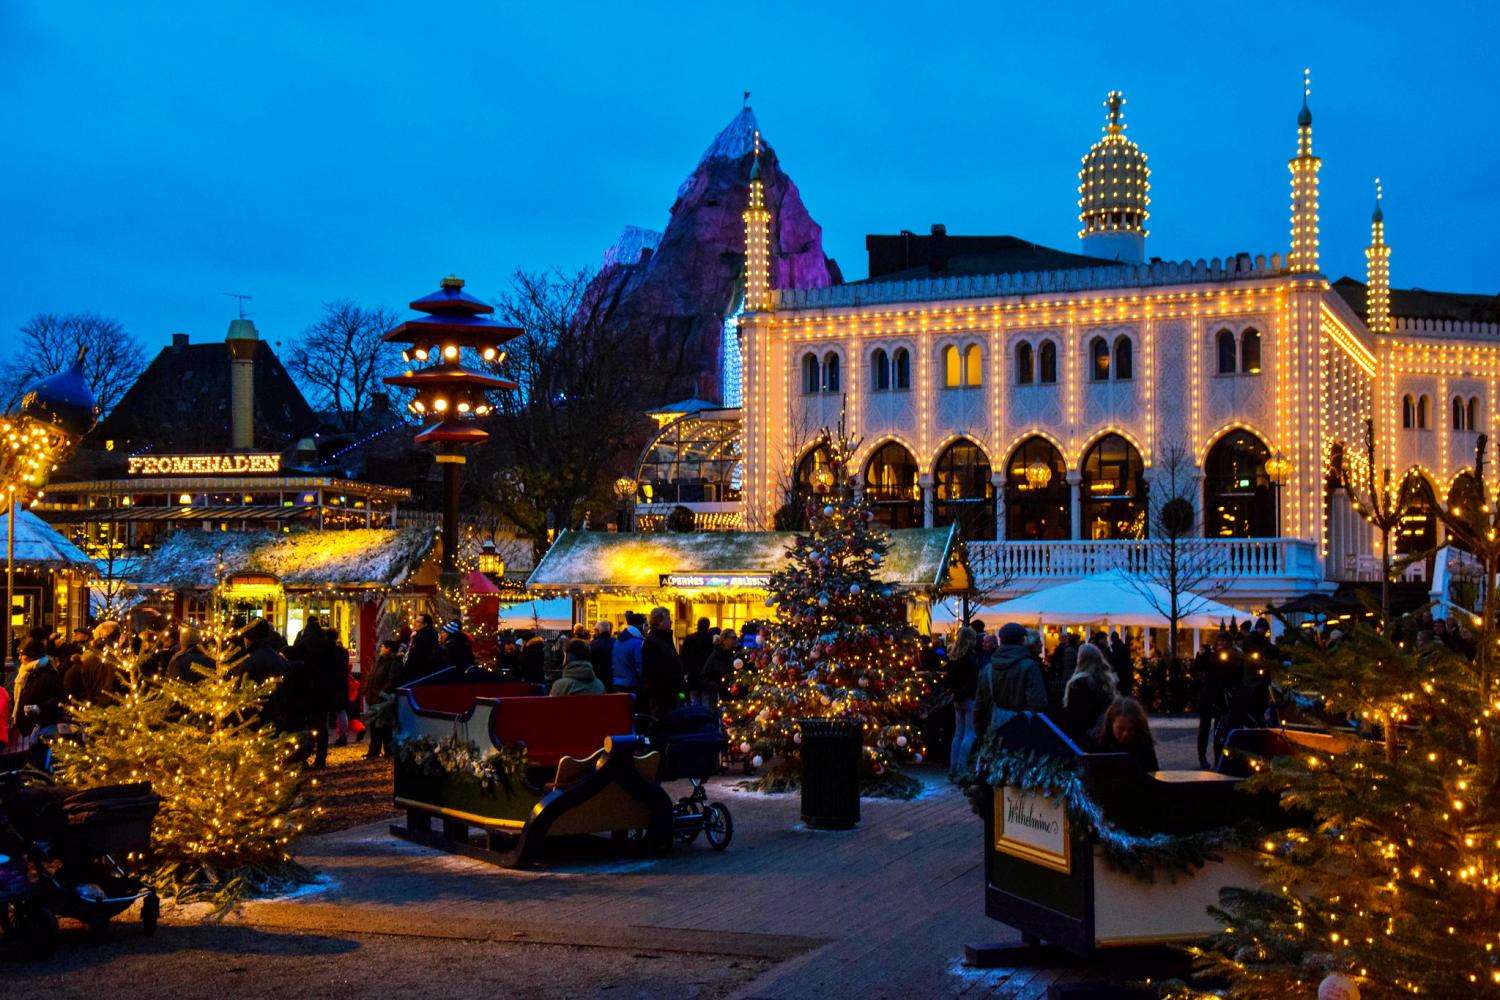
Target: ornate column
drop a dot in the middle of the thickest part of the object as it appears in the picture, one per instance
(1075, 515)
(997, 481)
(924, 482)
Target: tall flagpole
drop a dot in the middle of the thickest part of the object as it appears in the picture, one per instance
(10, 569)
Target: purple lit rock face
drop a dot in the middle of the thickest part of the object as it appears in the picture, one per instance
(677, 287)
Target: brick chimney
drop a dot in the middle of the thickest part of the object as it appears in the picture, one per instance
(241, 341)
(179, 341)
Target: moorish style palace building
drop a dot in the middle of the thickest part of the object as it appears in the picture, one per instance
(1042, 399)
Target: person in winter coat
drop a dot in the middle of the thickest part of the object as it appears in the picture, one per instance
(625, 664)
(662, 676)
(1012, 682)
(1124, 728)
(424, 654)
(713, 679)
(578, 672)
(456, 646)
(328, 674)
(1118, 655)
(189, 662)
(602, 655)
(91, 681)
(1090, 691)
(383, 677)
(39, 691)
(695, 650)
(533, 658)
(962, 678)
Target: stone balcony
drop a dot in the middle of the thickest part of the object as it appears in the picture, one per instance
(1257, 571)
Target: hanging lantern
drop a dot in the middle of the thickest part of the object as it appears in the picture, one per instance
(1038, 475)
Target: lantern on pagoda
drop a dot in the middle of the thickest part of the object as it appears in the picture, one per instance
(45, 428)
(448, 394)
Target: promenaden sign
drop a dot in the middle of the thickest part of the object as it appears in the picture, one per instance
(202, 465)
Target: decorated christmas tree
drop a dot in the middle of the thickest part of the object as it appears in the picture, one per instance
(840, 646)
(1393, 885)
(231, 787)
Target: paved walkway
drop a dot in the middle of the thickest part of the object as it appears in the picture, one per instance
(881, 911)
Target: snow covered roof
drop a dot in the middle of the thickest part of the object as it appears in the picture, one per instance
(603, 560)
(353, 559)
(39, 545)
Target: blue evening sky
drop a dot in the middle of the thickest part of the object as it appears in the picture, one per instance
(158, 154)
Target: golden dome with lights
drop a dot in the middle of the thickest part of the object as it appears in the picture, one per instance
(1114, 184)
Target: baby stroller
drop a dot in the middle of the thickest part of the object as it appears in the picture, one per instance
(692, 744)
(61, 847)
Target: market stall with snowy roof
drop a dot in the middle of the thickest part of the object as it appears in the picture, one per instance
(719, 575)
(51, 575)
(350, 578)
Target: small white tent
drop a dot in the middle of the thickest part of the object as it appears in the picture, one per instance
(1110, 598)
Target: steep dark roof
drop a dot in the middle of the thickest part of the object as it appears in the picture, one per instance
(181, 404)
(1418, 303)
(906, 256)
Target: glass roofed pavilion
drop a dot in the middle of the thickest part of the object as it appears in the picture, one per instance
(692, 461)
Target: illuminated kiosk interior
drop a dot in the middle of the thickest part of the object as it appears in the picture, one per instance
(722, 575)
(51, 583)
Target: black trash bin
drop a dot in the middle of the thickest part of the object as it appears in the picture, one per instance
(831, 752)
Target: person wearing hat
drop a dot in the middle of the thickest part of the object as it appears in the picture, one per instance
(1012, 682)
(456, 646)
(189, 662)
(424, 654)
(92, 679)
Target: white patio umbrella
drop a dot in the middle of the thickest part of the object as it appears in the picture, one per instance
(1110, 598)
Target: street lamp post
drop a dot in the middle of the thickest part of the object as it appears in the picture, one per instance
(625, 488)
(1278, 469)
(447, 392)
(39, 434)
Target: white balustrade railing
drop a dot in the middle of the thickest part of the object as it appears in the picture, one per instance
(1236, 558)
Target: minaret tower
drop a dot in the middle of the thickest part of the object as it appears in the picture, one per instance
(1303, 258)
(1113, 192)
(1378, 272)
(757, 241)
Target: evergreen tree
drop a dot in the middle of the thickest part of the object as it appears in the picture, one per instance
(1395, 880)
(231, 787)
(840, 645)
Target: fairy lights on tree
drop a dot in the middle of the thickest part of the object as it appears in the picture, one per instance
(231, 787)
(840, 645)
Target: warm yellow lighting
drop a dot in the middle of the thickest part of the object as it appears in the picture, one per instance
(440, 404)
(185, 499)
(450, 352)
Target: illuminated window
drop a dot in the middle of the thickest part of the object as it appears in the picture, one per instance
(1238, 498)
(1124, 359)
(1250, 351)
(973, 366)
(964, 493)
(1024, 373)
(880, 370)
(1226, 352)
(1417, 532)
(891, 486)
(903, 368)
(1037, 506)
(810, 376)
(1047, 369)
(1099, 357)
(831, 372)
(953, 371)
(1113, 490)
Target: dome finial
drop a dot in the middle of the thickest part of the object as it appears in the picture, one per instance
(1116, 103)
(1378, 215)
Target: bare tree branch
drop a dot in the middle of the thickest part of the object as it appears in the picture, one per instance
(50, 342)
(341, 358)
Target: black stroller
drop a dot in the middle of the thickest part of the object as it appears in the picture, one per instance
(58, 851)
(692, 746)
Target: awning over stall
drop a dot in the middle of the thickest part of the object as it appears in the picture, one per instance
(355, 559)
(39, 546)
(1112, 598)
(586, 561)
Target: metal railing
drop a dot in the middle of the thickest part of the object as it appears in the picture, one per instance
(1260, 558)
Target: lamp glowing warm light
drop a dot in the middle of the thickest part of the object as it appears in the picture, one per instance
(1278, 469)
(1038, 475)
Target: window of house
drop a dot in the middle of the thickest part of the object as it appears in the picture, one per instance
(1024, 372)
(831, 372)
(953, 370)
(1047, 372)
(1099, 357)
(880, 370)
(1226, 352)
(1408, 413)
(1250, 351)
(811, 377)
(973, 366)
(1422, 411)
(903, 368)
(1124, 358)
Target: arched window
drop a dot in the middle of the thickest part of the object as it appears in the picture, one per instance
(1417, 532)
(880, 370)
(1471, 413)
(830, 372)
(973, 366)
(1226, 352)
(953, 369)
(1238, 498)
(1459, 413)
(1047, 368)
(1408, 413)
(1250, 351)
(1113, 490)
(1422, 411)
(891, 486)
(1124, 358)
(1024, 373)
(1099, 359)
(964, 493)
(811, 464)
(903, 368)
(811, 378)
(1037, 507)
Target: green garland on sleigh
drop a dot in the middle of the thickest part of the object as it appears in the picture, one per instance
(1056, 778)
(503, 769)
